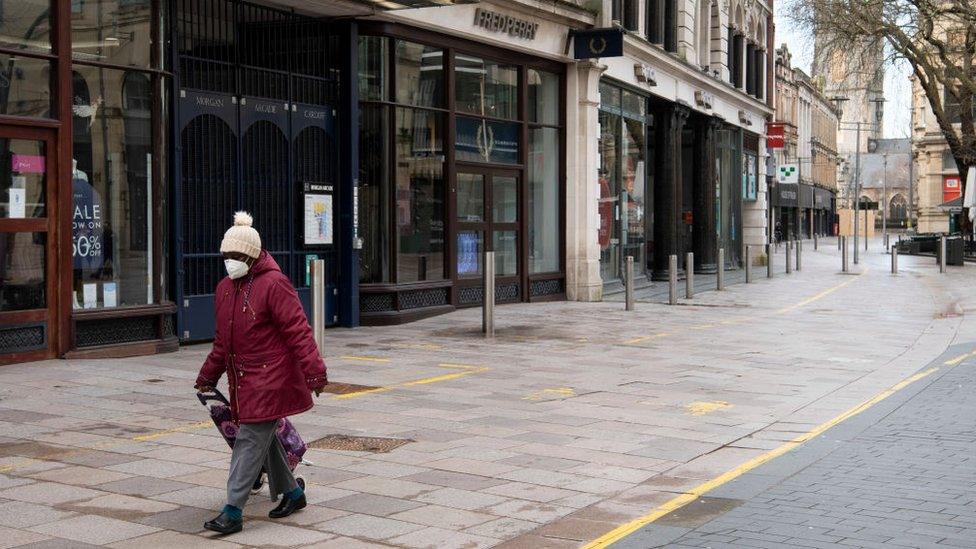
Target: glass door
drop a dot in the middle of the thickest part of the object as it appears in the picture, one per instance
(27, 250)
(487, 219)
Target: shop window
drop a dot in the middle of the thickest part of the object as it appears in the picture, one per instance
(22, 271)
(544, 237)
(113, 31)
(23, 184)
(419, 75)
(26, 25)
(485, 88)
(374, 193)
(25, 86)
(478, 140)
(419, 195)
(111, 224)
(136, 94)
(543, 97)
(374, 60)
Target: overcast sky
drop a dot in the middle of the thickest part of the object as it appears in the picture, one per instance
(897, 87)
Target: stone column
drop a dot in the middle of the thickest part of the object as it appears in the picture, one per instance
(669, 123)
(738, 44)
(705, 242)
(583, 281)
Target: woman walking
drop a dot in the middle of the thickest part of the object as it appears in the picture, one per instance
(265, 345)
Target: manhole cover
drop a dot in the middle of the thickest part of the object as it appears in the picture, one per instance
(376, 445)
(346, 388)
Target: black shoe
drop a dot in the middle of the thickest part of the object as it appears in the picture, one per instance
(288, 505)
(224, 525)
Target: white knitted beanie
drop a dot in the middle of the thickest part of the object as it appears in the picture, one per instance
(242, 237)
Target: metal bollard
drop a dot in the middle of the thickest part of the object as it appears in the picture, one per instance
(844, 265)
(839, 240)
(720, 275)
(748, 264)
(942, 254)
(789, 256)
(629, 290)
(689, 275)
(816, 245)
(673, 279)
(317, 276)
(769, 261)
(894, 260)
(488, 303)
(799, 253)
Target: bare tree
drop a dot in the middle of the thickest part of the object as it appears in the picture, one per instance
(936, 37)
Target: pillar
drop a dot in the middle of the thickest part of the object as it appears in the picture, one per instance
(704, 238)
(583, 282)
(669, 124)
(738, 42)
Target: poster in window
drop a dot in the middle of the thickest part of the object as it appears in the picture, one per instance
(318, 215)
(86, 225)
(468, 252)
(750, 187)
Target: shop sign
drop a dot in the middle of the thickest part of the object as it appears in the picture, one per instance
(775, 135)
(788, 173)
(594, 43)
(951, 187)
(86, 225)
(468, 260)
(789, 194)
(26, 163)
(501, 23)
(318, 214)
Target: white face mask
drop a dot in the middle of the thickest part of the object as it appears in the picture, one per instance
(235, 268)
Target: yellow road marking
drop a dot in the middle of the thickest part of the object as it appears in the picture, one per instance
(700, 408)
(680, 501)
(365, 358)
(822, 294)
(466, 370)
(960, 358)
(423, 346)
(637, 340)
(182, 429)
(559, 392)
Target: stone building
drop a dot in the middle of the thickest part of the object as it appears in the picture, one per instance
(809, 122)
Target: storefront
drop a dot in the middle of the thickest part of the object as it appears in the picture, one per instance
(672, 181)
(823, 212)
(787, 200)
(83, 166)
(806, 211)
(461, 152)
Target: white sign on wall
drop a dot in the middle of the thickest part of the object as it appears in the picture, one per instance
(788, 173)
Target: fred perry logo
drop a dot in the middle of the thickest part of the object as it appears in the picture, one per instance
(598, 45)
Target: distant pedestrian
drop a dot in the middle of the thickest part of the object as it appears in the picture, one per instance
(265, 345)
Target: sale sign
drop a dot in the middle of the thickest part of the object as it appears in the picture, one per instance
(86, 225)
(27, 163)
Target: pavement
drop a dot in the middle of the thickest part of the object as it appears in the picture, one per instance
(576, 421)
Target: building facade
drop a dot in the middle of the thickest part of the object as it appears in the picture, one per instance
(677, 162)
(936, 174)
(397, 145)
(809, 123)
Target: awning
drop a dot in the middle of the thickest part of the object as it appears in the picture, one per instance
(806, 196)
(787, 195)
(954, 205)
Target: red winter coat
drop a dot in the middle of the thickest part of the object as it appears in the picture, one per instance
(265, 345)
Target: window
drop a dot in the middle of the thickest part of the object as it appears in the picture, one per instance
(374, 59)
(419, 195)
(26, 86)
(374, 193)
(111, 185)
(419, 73)
(544, 238)
(113, 31)
(485, 88)
(26, 25)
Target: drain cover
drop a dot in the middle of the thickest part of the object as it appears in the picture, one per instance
(376, 445)
(346, 388)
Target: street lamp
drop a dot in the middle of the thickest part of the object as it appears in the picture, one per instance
(857, 182)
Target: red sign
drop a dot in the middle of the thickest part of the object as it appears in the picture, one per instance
(775, 135)
(27, 163)
(951, 187)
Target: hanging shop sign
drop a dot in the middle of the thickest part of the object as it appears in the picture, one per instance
(594, 43)
(775, 135)
(506, 24)
(318, 220)
(788, 173)
(951, 187)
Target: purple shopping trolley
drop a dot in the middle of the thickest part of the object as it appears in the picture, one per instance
(220, 412)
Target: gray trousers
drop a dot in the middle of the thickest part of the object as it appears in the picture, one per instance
(256, 446)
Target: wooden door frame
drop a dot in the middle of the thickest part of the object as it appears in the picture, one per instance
(488, 171)
(49, 225)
